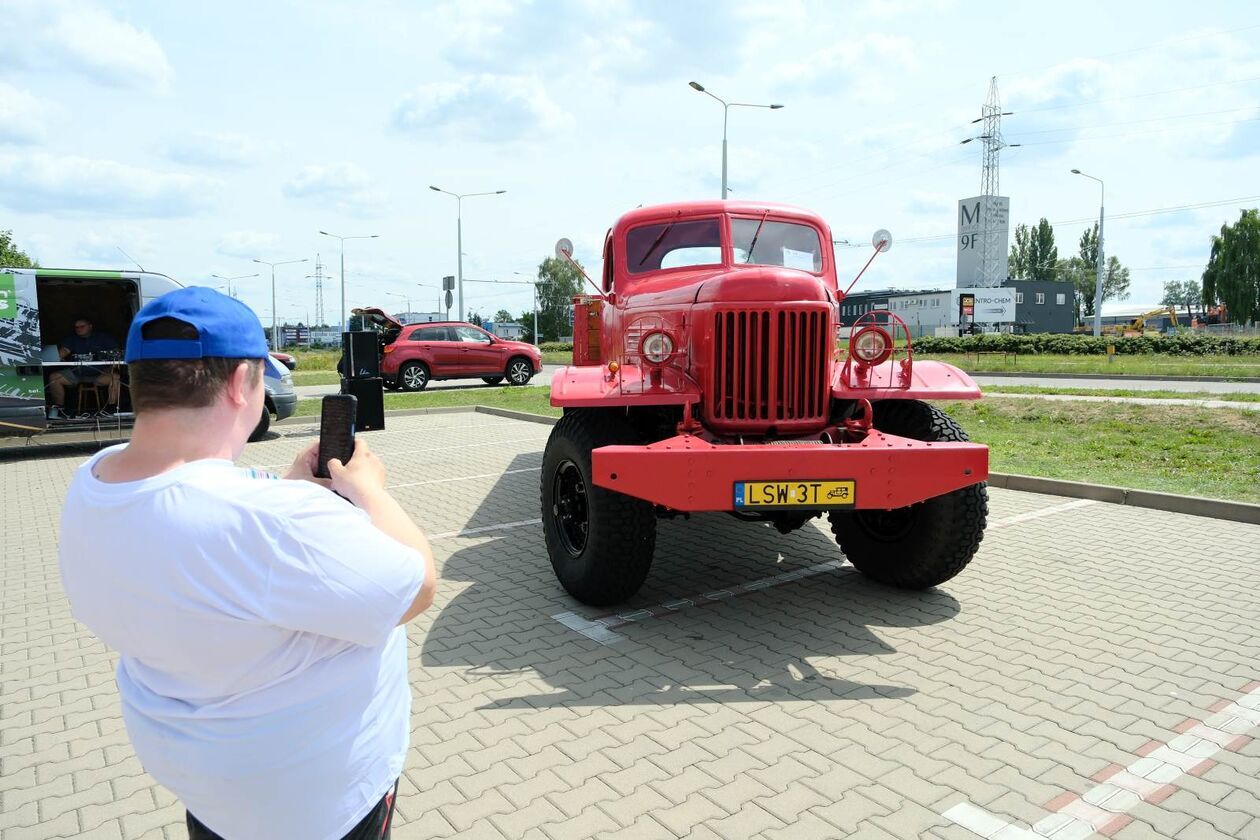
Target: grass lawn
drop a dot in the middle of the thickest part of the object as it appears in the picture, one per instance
(1120, 392)
(1174, 449)
(316, 377)
(1151, 365)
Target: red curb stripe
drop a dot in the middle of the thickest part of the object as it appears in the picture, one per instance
(1185, 726)
(1202, 767)
(1218, 705)
(1161, 794)
(1061, 801)
(1148, 748)
(1251, 686)
(1238, 743)
(1115, 825)
(1106, 773)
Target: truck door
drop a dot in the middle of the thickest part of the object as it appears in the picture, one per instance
(22, 409)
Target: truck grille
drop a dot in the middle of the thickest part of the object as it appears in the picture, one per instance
(769, 366)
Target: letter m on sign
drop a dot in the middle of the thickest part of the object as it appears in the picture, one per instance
(965, 216)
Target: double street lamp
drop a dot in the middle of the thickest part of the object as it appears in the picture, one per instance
(459, 238)
(345, 325)
(275, 335)
(230, 279)
(726, 110)
(1098, 284)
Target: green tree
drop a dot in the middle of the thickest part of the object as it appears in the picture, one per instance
(11, 256)
(502, 316)
(474, 317)
(558, 281)
(1185, 293)
(1034, 256)
(1082, 271)
(1232, 276)
(526, 320)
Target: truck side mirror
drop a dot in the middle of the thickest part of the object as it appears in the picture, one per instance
(564, 249)
(881, 240)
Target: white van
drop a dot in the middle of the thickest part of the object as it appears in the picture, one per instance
(38, 310)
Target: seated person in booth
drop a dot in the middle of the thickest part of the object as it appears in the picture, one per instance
(84, 345)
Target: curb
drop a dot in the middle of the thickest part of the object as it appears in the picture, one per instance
(1136, 377)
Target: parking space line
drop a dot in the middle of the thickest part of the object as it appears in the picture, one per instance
(1103, 809)
(462, 478)
(599, 628)
(1040, 512)
(468, 532)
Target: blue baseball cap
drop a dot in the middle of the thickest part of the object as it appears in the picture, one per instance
(226, 328)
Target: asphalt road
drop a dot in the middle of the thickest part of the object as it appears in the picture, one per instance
(309, 391)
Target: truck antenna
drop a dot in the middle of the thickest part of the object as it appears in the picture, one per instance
(128, 256)
(881, 241)
(564, 251)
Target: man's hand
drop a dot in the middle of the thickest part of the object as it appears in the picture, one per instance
(303, 468)
(362, 478)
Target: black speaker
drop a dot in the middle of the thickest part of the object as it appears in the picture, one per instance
(371, 401)
(361, 354)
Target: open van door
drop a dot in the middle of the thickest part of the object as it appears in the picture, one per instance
(22, 409)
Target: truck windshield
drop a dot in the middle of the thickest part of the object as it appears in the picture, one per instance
(779, 243)
(674, 245)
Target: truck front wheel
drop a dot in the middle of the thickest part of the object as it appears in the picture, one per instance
(924, 544)
(600, 542)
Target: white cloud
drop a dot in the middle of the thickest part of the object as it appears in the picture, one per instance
(44, 183)
(345, 185)
(246, 244)
(215, 151)
(23, 117)
(109, 50)
(485, 107)
(873, 53)
(101, 247)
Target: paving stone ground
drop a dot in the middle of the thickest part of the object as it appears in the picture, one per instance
(824, 706)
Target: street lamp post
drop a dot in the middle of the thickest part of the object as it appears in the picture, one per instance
(230, 279)
(275, 336)
(1098, 284)
(345, 325)
(726, 110)
(459, 239)
(405, 297)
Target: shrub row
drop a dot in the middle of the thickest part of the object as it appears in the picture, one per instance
(1183, 344)
(556, 347)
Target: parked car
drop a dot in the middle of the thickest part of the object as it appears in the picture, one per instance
(285, 359)
(281, 399)
(414, 355)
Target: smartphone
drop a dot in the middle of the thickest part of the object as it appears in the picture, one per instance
(336, 430)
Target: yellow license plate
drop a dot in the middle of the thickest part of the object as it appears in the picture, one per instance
(768, 495)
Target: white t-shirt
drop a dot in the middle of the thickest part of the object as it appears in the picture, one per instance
(263, 675)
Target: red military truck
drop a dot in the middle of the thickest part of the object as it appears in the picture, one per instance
(708, 375)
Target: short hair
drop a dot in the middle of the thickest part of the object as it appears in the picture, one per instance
(180, 383)
(84, 318)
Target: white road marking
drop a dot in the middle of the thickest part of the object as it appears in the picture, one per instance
(462, 478)
(1037, 514)
(1104, 807)
(468, 532)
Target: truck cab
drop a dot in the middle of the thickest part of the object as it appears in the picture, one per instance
(709, 375)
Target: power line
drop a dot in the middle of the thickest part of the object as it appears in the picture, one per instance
(1137, 122)
(1140, 133)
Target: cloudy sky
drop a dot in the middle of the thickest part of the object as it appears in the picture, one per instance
(198, 136)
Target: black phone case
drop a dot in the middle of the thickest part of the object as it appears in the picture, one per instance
(336, 430)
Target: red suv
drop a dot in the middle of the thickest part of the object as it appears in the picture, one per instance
(414, 354)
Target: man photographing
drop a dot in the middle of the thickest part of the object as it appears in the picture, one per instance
(259, 622)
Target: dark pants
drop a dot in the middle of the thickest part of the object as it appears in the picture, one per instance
(375, 826)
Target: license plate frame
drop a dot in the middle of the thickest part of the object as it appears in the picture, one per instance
(795, 494)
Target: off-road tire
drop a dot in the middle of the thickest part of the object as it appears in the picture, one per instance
(924, 544)
(264, 423)
(620, 534)
(492, 380)
(418, 379)
(519, 370)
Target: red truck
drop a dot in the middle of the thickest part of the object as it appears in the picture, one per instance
(708, 375)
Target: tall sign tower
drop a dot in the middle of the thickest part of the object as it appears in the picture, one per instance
(318, 277)
(984, 220)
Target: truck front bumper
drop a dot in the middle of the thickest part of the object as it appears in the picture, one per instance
(687, 473)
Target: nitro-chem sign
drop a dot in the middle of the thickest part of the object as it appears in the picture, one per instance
(983, 232)
(988, 306)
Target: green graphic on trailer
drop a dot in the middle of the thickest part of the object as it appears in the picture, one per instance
(8, 296)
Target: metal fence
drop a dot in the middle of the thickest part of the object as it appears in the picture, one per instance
(1236, 330)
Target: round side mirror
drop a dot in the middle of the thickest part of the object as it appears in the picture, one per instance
(564, 249)
(882, 240)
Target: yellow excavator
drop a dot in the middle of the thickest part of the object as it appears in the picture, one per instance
(1137, 327)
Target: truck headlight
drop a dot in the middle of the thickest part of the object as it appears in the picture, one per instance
(657, 347)
(871, 346)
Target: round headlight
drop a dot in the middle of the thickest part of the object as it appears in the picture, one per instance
(871, 345)
(657, 347)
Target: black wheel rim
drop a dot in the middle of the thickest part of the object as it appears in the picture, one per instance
(519, 372)
(414, 377)
(889, 525)
(569, 507)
